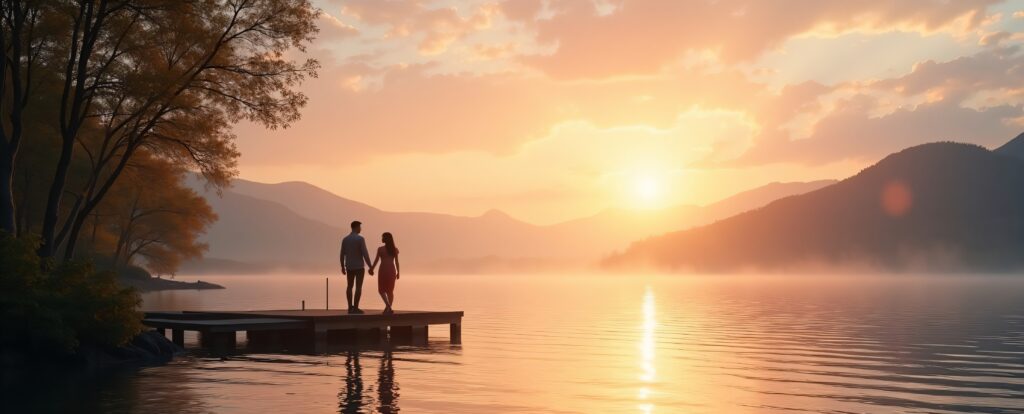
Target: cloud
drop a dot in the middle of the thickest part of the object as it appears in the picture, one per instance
(851, 132)
(366, 111)
(991, 69)
(357, 111)
(643, 36)
(332, 28)
(435, 28)
(994, 39)
(976, 98)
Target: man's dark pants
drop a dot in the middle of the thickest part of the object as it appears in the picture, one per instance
(355, 277)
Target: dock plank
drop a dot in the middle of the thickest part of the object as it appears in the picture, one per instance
(339, 319)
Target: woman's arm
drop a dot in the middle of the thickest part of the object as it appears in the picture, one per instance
(375, 260)
(398, 268)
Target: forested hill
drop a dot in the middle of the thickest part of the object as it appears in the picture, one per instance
(940, 206)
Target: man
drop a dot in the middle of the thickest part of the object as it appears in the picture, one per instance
(353, 255)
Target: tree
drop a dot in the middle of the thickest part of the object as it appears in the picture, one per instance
(20, 46)
(150, 215)
(170, 78)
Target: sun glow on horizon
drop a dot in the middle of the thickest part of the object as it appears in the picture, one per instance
(646, 191)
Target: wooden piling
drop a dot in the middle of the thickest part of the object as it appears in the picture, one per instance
(178, 337)
(455, 333)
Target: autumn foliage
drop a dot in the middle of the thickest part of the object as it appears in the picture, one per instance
(107, 105)
(106, 108)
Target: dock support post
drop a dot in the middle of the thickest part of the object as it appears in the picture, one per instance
(419, 335)
(178, 337)
(401, 335)
(455, 333)
(217, 340)
(263, 339)
(319, 340)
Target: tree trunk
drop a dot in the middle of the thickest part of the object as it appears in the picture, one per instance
(53, 201)
(78, 220)
(8, 220)
(73, 101)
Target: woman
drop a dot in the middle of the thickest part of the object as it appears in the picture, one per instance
(390, 270)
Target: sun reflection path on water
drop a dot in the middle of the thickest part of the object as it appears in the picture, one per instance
(647, 347)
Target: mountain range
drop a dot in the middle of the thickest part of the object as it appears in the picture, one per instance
(934, 207)
(296, 226)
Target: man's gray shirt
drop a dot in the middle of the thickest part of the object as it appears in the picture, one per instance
(353, 251)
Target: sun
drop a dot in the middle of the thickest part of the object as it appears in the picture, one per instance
(647, 189)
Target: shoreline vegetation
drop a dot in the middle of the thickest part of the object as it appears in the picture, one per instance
(76, 315)
(69, 314)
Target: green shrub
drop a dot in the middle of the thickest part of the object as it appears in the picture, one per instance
(57, 310)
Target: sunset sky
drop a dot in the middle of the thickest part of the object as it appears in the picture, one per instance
(552, 110)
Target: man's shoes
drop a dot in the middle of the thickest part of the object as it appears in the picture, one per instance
(356, 311)
(352, 310)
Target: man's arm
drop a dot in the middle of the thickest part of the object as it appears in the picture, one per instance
(342, 258)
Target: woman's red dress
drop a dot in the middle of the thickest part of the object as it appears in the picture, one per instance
(387, 274)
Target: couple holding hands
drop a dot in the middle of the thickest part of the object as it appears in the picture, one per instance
(354, 254)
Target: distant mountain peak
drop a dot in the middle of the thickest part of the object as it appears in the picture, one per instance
(961, 213)
(1014, 147)
(497, 214)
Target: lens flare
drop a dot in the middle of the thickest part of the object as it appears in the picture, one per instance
(897, 199)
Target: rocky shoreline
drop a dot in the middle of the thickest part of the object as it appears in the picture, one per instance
(147, 348)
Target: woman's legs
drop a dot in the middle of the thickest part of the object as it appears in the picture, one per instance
(386, 299)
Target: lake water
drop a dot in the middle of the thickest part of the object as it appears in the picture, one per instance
(623, 344)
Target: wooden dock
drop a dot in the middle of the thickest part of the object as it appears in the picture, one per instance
(218, 329)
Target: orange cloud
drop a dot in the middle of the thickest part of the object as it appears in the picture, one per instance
(643, 36)
(851, 132)
(435, 27)
(332, 28)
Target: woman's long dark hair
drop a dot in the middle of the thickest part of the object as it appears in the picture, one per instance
(389, 243)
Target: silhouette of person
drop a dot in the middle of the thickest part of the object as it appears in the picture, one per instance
(353, 255)
(351, 400)
(390, 270)
(387, 389)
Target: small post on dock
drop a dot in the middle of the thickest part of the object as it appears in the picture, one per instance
(303, 304)
(327, 293)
